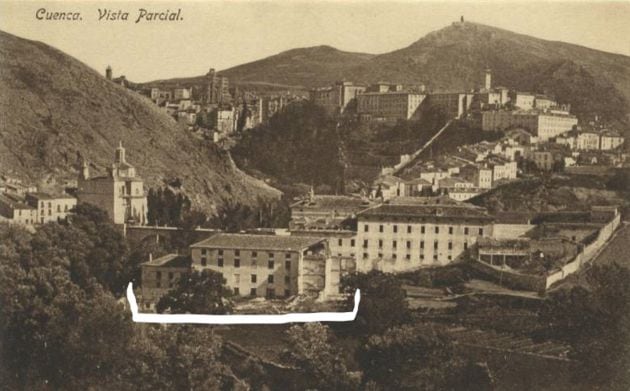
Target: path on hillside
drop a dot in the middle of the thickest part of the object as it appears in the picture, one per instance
(426, 145)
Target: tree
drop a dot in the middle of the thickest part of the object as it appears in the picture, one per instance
(595, 320)
(314, 350)
(417, 358)
(197, 293)
(383, 303)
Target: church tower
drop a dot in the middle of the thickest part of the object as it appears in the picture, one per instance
(120, 154)
(488, 83)
(108, 72)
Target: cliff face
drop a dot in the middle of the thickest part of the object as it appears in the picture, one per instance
(55, 111)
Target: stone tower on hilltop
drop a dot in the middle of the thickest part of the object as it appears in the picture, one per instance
(108, 72)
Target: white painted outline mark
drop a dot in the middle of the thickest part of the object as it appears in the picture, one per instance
(241, 319)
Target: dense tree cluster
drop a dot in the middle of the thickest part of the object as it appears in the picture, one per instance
(165, 207)
(62, 325)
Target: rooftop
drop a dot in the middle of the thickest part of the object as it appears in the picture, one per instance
(13, 202)
(259, 242)
(436, 208)
(331, 202)
(170, 260)
(46, 196)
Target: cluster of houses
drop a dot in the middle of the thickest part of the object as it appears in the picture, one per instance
(332, 236)
(213, 107)
(120, 192)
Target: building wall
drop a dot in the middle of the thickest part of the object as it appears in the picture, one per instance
(157, 281)
(611, 142)
(399, 246)
(248, 272)
(55, 209)
(389, 105)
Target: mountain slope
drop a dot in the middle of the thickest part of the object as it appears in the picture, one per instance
(455, 58)
(54, 111)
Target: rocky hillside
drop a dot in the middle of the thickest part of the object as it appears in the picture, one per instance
(55, 111)
(594, 82)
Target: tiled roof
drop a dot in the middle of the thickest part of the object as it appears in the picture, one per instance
(14, 203)
(442, 210)
(331, 202)
(170, 260)
(259, 242)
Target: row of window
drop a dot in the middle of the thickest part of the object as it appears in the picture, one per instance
(407, 256)
(237, 253)
(408, 244)
(270, 294)
(237, 263)
(381, 228)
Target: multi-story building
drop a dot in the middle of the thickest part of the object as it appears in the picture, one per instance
(587, 141)
(335, 99)
(502, 168)
(543, 102)
(49, 207)
(16, 210)
(544, 125)
(120, 193)
(480, 176)
(523, 100)
(610, 140)
(181, 93)
(408, 235)
(217, 89)
(389, 105)
(158, 276)
(325, 211)
(454, 104)
(265, 265)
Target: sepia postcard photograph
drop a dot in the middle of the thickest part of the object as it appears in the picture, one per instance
(360, 195)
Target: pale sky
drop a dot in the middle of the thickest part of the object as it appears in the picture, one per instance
(222, 34)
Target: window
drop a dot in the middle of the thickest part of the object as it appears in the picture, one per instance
(380, 244)
(450, 245)
(58, 208)
(365, 255)
(254, 262)
(287, 293)
(287, 280)
(237, 263)
(394, 244)
(271, 293)
(450, 257)
(252, 292)
(435, 245)
(341, 242)
(158, 275)
(480, 231)
(65, 209)
(237, 253)
(437, 230)
(450, 230)
(395, 229)
(465, 246)
(422, 229)
(435, 257)
(270, 264)
(365, 243)
(287, 265)
(221, 252)
(236, 291)
(408, 256)
(220, 262)
(254, 278)
(204, 261)
(287, 256)
(270, 278)
(366, 228)
(380, 228)
(380, 255)
(254, 254)
(204, 251)
(422, 244)
(466, 231)
(237, 278)
(409, 229)
(351, 242)
(421, 257)
(408, 244)
(270, 255)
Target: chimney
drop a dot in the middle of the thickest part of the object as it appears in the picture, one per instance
(150, 257)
